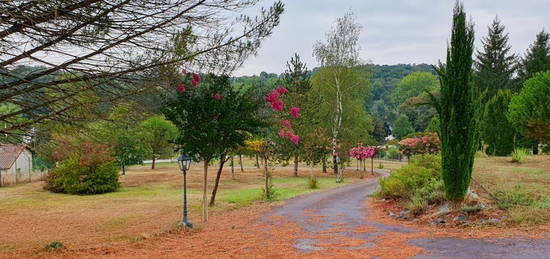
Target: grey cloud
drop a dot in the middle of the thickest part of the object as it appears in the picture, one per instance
(396, 31)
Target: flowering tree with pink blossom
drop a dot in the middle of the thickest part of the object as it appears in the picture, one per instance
(213, 119)
(427, 144)
(361, 153)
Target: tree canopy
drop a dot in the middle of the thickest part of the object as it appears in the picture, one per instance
(529, 110)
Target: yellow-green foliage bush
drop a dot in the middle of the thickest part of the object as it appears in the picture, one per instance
(418, 184)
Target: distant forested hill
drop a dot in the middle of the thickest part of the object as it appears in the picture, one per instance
(383, 79)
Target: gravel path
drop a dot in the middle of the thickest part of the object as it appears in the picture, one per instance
(342, 211)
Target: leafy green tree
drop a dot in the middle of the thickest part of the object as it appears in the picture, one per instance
(497, 132)
(537, 58)
(130, 148)
(529, 110)
(413, 85)
(403, 127)
(458, 108)
(434, 125)
(160, 135)
(213, 118)
(494, 66)
(340, 83)
(120, 130)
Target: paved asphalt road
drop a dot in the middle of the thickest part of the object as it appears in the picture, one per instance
(347, 205)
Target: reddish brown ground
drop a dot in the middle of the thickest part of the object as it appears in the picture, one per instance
(241, 234)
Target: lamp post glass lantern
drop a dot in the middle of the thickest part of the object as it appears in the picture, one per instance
(184, 161)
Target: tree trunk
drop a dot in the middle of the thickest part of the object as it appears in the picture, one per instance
(241, 162)
(266, 173)
(232, 168)
(357, 164)
(218, 176)
(372, 165)
(204, 192)
(324, 165)
(296, 165)
(123, 170)
(336, 171)
(153, 164)
(257, 162)
(364, 165)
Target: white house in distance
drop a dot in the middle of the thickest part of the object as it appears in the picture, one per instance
(15, 164)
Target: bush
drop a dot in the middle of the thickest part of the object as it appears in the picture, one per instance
(430, 161)
(380, 165)
(90, 170)
(419, 183)
(405, 181)
(519, 155)
(53, 246)
(392, 153)
(313, 183)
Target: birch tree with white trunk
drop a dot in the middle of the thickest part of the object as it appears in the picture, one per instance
(339, 52)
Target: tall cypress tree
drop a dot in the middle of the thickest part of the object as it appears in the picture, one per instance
(458, 108)
(494, 66)
(497, 132)
(537, 58)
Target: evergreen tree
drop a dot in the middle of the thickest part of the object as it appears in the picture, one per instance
(296, 80)
(537, 58)
(494, 66)
(497, 132)
(458, 108)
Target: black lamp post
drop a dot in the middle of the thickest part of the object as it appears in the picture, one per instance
(184, 161)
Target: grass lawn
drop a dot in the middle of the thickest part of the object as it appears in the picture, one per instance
(149, 202)
(523, 190)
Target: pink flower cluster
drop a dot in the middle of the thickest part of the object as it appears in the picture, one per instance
(427, 144)
(195, 80)
(361, 152)
(277, 104)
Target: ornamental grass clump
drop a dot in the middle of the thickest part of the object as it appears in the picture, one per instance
(519, 155)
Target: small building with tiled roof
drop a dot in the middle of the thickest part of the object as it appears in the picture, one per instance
(15, 164)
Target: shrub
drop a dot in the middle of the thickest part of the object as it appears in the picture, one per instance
(405, 181)
(430, 161)
(380, 165)
(419, 183)
(519, 155)
(471, 209)
(416, 205)
(53, 246)
(90, 170)
(313, 183)
(392, 153)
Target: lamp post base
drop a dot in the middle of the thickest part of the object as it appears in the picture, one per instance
(186, 223)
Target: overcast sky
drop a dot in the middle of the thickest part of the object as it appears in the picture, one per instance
(394, 31)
